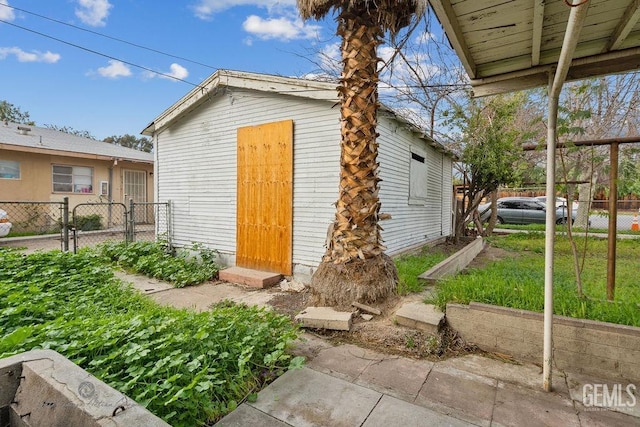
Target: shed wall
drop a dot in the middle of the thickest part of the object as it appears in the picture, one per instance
(196, 169)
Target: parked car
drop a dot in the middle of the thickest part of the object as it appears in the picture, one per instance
(560, 201)
(5, 225)
(524, 210)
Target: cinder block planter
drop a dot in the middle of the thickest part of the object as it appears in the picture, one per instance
(580, 346)
(43, 388)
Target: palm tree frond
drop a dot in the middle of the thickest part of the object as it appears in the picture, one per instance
(392, 15)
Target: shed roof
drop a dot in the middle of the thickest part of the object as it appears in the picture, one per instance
(511, 45)
(35, 139)
(305, 88)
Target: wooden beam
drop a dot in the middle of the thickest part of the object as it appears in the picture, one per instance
(536, 38)
(607, 141)
(447, 17)
(624, 27)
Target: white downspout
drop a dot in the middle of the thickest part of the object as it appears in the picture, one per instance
(574, 25)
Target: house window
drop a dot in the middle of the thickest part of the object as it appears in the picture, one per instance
(72, 179)
(9, 169)
(418, 178)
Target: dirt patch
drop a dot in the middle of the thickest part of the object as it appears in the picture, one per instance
(381, 333)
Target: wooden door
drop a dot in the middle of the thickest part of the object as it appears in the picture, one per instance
(265, 197)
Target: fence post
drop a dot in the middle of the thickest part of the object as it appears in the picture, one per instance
(65, 224)
(132, 222)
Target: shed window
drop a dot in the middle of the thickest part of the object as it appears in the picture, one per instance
(9, 169)
(72, 179)
(418, 178)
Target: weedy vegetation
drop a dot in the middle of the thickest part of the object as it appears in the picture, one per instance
(181, 267)
(188, 368)
(518, 281)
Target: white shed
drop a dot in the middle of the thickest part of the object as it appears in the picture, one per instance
(250, 163)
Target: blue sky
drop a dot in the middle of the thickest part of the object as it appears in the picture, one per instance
(63, 85)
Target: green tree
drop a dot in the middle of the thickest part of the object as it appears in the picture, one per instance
(355, 267)
(490, 143)
(72, 131)
(11, 113)
(131, 141)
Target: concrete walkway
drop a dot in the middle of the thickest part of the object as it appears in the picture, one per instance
(347, 385)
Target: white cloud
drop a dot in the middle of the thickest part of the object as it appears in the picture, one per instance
(279, 28)
(330, 58)
(93, 12)
(114, 70)
(6, 13)
(176, 71)
(34, 56)
(205, 9)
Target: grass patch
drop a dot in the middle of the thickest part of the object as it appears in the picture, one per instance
(181, 267)
(411, 266)
(518, 282)
(188, 368)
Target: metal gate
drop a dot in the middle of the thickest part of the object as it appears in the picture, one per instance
(94, 223)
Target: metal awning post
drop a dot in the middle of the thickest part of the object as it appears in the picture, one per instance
(550, 235)
(574, 25)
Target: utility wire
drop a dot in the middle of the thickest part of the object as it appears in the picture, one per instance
(101, 54)
(459, 85)
(107, 36)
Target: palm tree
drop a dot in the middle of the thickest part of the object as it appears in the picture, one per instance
(355, 267)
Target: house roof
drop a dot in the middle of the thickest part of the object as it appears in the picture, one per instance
(312, 89)
(17, 137)
(513, 45)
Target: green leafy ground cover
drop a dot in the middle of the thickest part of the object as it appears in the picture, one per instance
(182, 267)
(188, 368)
(518, 281)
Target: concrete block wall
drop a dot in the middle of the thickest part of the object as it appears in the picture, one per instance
(580, 346)
(43, 388)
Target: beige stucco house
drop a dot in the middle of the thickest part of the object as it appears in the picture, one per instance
(41, 164)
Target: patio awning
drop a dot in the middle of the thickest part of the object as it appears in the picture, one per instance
(509, 45)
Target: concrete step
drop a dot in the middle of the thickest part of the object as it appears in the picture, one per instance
(246, 276)
(417, 315)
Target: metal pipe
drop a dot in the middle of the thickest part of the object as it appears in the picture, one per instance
(613, 223)
(577, 17)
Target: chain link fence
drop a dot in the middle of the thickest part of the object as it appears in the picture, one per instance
(87, 224)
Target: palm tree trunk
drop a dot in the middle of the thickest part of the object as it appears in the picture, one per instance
(355, 255)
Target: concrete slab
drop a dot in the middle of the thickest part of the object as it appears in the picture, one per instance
(393, 412)
(345, 361)
(201, 297)
(425, 317)
(246, 415)
(396, 376)
(308, 346)
(458, 393)
(524, 374)
(526, 407)
(246, 276)
(305, 398)
(324, 318)
(144, 284)
(600, 417)
(589, 390)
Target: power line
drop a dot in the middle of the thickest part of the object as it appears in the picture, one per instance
(107, 36)
(101, 54)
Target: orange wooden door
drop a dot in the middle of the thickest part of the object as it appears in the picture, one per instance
(265, 197)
